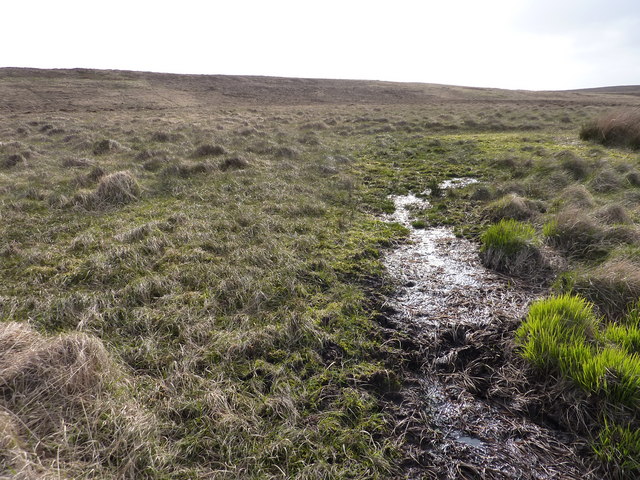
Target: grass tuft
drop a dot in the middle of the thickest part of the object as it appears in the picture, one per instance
(619, 447)
(619, 128)
(512, 247)
(116, 189)
(208, 150)
(511, 206)
(106, 145)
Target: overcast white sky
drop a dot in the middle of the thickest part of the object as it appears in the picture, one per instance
(519, 44)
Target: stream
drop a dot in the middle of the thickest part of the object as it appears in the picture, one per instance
(454, 306)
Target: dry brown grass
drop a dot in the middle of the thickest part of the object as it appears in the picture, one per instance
(106, 146)
(576, 232)
(613, 213)
(571, 162)
(46, 383)
(614, 286)
(13, 160)
(117, 188)
(208, 150)
(234, 163)
(606, 181)
(64, 366)
(618, 128)
(60, 412)
(511, 206)
(577, 196)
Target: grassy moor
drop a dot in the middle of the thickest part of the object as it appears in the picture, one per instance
(195, 281)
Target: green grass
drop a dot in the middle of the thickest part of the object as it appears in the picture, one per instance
(509, 236)
(620, 446)
(563, 336)
(511, 246)
(234, 305)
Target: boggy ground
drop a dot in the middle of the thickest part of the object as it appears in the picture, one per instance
(460, 316)
(193, 281)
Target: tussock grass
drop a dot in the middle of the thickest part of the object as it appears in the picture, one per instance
(607, 180)
(577, 196)
(184, 169)
(107, 145)
(13, 160)
(571, 162)
(116, 189)
(633, 178)
(77, 162)
(511, 246)
(614, 285)
(617, 128)
(577, 233)
(511, 206)
(562, 335)
(58, 390)
(613, 213)
(209, 150)
(234, 163)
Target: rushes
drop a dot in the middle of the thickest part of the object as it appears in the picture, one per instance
(562, 335)
(511, 246)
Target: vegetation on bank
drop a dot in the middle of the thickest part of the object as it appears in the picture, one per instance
(511, 246)
(564, 337)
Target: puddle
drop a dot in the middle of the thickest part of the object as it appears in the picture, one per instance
(473, 441)
(441, 275)
(458, 182)
(444, 287)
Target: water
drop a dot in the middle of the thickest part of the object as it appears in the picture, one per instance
(443, 287)
(441, 275)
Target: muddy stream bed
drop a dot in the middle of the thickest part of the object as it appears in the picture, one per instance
(458, 317)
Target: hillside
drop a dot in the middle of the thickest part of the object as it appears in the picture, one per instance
(83, 89)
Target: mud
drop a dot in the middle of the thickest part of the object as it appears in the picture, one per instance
(459, 318)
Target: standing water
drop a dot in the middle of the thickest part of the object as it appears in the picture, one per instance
(444, 291)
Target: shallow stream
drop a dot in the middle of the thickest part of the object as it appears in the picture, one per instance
(444, 289)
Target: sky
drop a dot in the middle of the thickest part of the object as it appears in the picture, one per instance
(515, 44)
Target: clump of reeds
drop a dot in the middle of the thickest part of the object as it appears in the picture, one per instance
(563, 336)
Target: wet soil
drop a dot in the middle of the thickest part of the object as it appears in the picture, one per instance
(457, 415)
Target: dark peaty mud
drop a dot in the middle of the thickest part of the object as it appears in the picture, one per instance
(458, 319)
